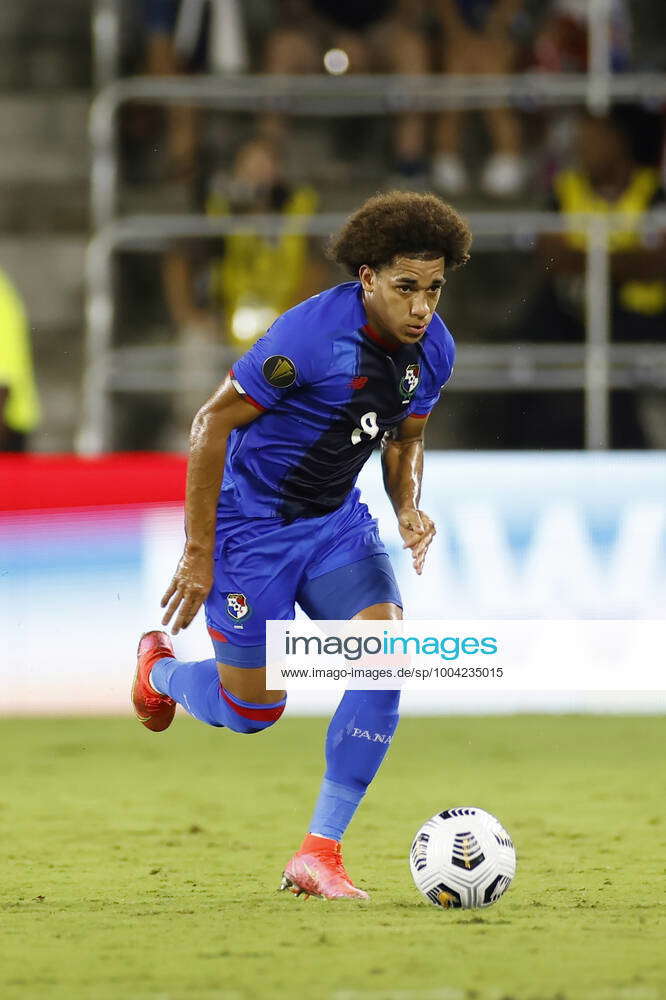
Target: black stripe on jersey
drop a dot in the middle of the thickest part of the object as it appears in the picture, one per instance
(325, 474)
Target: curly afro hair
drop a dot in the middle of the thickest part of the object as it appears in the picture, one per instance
(401, 224)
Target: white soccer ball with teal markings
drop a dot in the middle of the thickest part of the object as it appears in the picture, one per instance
(462, 858)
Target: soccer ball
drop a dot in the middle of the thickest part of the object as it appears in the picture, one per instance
(462, 858)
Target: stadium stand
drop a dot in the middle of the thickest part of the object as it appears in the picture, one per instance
(340, 144)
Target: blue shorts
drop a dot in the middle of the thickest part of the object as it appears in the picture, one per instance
(332, 566)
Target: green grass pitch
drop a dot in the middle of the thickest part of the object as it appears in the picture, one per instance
(138, 866)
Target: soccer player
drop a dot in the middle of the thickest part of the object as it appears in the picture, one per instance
(272, 513)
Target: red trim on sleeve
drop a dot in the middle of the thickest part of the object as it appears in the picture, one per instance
(213, 632)
(257, 714)
(247, 397)
(253, 402)
(419, 416)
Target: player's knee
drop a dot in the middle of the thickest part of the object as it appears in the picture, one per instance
(252, 731)
(259, 727)
(248, 717)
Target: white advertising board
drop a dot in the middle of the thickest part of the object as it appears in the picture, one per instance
(523, 536)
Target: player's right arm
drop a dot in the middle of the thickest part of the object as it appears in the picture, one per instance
(286, 356)
(217, 418)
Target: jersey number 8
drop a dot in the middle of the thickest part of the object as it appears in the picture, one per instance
(368, 426)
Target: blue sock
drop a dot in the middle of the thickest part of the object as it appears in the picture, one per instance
(197, 687)
(358, 737)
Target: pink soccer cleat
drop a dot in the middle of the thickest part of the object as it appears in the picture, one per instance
(317, 870)
(155, 711)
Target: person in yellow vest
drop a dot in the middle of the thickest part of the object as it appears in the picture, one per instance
(615, 171)
(248, 279)
(231, 289)
(19, 404)
(259, 278)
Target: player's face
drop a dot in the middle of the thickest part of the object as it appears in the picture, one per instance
(401, 299)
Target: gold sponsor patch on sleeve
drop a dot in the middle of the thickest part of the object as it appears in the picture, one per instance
(279, 371)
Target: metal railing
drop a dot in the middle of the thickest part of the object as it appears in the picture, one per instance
(594, 367)
(357, 95)
(106, 33)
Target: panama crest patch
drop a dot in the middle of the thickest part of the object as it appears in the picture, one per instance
(279, 371)
(410, 381)
(237, 606)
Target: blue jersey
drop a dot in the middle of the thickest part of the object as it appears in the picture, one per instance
(330, 387)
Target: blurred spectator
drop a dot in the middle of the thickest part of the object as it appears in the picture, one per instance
(19, 405)
(162, 58)
(479, 39)
(253, 270)
(233, 288)
(215, 30)
(187, 37)
(562, 43)
(359, 36)
(159, 19)
(615, 172)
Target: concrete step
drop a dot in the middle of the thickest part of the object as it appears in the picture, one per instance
(44, 76)
(44, 136)
(50, 165)
(25, 68)
(45, 117)
(48, 272)
(43, 18)
(45, 180)
(35, 206)
(45, 44)
(44, 166)
(58, 359)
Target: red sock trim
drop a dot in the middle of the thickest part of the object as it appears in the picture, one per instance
(256, 714)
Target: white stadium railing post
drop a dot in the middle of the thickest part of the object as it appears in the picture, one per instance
(105, 41)
(597, 342)
(599, 55)
(94, 430)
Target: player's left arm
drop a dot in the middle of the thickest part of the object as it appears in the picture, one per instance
(402, 465)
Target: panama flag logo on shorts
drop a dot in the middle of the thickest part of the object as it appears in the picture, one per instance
(410, 380)
(237, 606)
